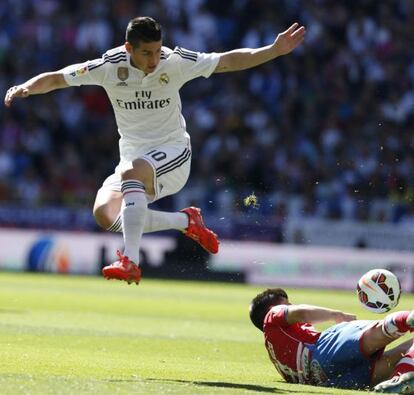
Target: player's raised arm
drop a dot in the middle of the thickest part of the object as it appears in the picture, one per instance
(37, 85)
(245, 58)
(314, 314)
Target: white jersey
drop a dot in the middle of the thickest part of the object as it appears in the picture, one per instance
(147, 107)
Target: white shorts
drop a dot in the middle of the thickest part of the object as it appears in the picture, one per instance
(171, 163)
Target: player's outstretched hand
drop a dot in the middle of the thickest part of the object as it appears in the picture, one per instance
(288, 40)
(344, 317)
(15, 91)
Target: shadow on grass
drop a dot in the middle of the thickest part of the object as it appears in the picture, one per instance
(222, 384)
(250, 387)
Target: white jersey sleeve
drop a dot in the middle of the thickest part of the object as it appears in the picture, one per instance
(195, 64)
(93, 72)
(83, 74)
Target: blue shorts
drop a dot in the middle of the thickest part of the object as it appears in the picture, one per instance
(337, 359)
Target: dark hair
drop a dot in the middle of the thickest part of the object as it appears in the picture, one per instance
(142, 28)
(262, 303)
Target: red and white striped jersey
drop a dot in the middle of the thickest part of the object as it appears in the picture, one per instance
(286, 345)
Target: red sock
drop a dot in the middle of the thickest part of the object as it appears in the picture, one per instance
(400, 320)
(406, 364)
(395, 324)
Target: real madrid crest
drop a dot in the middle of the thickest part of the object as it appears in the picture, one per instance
(164, 79)
(123, 74)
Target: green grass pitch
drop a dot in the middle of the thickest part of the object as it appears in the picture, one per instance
(84, 335)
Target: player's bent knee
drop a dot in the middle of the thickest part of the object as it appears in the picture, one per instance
(132, 175)
(141, 171)
(102, 217)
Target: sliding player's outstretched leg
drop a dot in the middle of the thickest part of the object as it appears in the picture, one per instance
(401, 380)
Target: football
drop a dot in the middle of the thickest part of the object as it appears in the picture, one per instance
(379, 290)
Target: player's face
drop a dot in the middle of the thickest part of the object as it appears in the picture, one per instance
(146, 56)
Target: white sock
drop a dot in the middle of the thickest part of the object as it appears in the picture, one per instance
(133, 216)
(156, 221)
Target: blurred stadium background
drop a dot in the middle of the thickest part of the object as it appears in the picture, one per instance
(323, 137)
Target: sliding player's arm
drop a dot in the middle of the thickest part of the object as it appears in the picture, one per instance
(42, 83)
(315, 314)
(246, 58)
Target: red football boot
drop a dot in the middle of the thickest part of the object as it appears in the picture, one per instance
(123, 269)
(199, 232)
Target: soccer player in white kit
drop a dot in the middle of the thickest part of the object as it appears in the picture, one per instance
(142, 79)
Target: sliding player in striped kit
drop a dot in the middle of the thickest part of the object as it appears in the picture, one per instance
(142, 79)
(347, 355)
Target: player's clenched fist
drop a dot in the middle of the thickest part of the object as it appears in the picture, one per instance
(15, 91)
